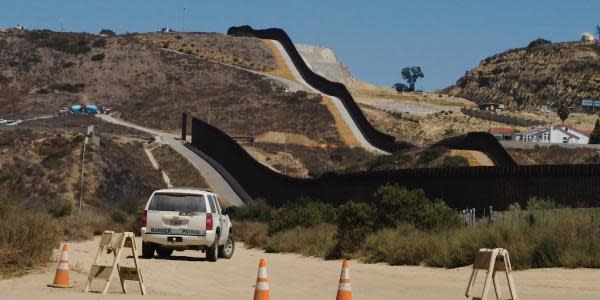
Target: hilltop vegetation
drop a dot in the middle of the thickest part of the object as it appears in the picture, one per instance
(542, 73)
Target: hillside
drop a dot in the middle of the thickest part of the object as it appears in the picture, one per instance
(537, 75)
(143, 76)
(41, 169)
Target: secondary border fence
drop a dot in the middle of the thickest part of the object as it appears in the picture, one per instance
(478, 187)
(474, 217)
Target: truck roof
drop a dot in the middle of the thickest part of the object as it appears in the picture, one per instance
(185, 190)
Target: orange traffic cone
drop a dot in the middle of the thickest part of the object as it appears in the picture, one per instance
(345, 288)
(261, 291)
(61, 279)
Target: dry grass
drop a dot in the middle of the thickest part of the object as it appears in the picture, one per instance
(554, 155)
(245, 52)
(26, 239)
(254, 234)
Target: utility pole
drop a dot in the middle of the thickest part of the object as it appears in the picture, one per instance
(82, 174)
(228, 122)
(208, 119)
(253, 135)
(285, 157)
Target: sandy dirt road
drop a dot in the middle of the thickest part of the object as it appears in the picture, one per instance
(188, 275)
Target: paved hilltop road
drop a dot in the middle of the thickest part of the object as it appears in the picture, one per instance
(212, 176)
(188, 276)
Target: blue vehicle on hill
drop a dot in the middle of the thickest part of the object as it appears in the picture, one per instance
(91, 109)
(76, 108)
(80, 108)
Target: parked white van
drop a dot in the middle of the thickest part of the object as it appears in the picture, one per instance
(186, 219)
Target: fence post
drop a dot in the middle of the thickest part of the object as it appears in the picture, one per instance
(544, 215)
(555, 216)
(491, 211)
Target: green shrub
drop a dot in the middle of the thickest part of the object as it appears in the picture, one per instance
(68, 64)
(392, 159)
(119, 216)
(98, 57)
(33, 59)
(440, 216)
(455, 161)
(399, 205)
(303, 212)
(538, 42)
(541, 203)
(354, 222)
(67, 87)
(107, 32)
(61, 209)
(101, 43)
(429, 155)
(257, 211)
(592, 159)
(449, 131)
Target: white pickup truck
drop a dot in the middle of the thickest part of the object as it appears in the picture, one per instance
(186, 219)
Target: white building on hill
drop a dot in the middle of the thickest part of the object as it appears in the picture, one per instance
(587, 37)
(555, 135)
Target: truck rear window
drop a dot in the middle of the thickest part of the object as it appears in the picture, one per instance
(177, 202)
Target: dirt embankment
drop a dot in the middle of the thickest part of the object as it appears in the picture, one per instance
(180, 171)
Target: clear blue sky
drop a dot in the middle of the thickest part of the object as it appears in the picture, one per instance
(374, 38)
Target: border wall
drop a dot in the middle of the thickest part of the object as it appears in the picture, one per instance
(374, 137)
(464, 187)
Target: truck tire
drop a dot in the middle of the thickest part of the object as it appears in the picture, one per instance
(147, 250)
(212, 253)
(164, 252)
(226, 251)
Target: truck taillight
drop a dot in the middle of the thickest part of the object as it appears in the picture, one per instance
(145, 218)
(209, 221)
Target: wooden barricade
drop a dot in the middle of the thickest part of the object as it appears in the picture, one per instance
(114, 243)
(492, 261)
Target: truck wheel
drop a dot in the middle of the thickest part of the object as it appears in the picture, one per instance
(164, 252)
(226, 251)
(212, 253)
(147, 250)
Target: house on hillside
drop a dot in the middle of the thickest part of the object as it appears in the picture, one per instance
(496, 107)
(502, 133)
(555, 135)
(587, 37)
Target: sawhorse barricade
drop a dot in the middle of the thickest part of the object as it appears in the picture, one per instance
(114, 243)
(492, 261)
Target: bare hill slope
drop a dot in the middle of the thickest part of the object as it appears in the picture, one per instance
(542, 74)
